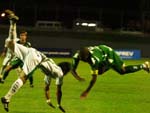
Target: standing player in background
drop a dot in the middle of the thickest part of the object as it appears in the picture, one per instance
(14, 61)
(33, 59)
(101, 58)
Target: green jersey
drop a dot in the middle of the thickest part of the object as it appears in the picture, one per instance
(100, 56)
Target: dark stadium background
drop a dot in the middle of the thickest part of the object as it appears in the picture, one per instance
(109, 12)
(114, 16)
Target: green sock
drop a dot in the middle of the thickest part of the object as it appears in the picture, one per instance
(132, 68)
(5, 74)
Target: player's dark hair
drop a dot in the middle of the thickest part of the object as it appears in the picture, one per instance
(23, 31)
(84, 53)
(65, 66)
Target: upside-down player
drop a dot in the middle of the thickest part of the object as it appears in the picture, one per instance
(34, 59)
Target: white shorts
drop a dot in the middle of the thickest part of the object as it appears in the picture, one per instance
(52, 71)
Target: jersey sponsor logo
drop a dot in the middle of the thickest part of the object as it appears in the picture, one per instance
(125, 53)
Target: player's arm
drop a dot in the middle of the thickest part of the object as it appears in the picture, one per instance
(75, 63)
(59, 96)
(92, 82)
(75, 74)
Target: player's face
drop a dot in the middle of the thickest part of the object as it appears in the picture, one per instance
(23, 38)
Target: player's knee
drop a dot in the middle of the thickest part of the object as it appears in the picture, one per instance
(23, 77)
(122, 73)
(8, 68)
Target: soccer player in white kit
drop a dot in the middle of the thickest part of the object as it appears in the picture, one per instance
(33, 59)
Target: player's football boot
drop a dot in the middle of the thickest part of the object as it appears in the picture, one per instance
(5, 103)
(11, 15)
(146, 66)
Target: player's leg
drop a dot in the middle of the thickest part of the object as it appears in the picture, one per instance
(1, 73)
(12, 29)
(14, 88)
(30, 77)
(29, 65)
(4, 64)
(121, 68)
(133, 68)
(6, 71)
(13, 19)
(47, 80)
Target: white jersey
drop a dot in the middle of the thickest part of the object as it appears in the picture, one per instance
(33, 58)
(20, 51)
(30, 57)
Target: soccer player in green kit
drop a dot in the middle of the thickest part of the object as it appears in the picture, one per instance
(101, 58)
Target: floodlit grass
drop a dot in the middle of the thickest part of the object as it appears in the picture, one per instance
(112, 93)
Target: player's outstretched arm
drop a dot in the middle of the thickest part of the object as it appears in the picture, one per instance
(92, 82)
(75, 74)
(59, 95)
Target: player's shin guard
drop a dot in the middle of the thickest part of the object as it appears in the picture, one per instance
(14, 88)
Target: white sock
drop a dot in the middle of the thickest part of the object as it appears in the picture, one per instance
(12, 30)
(14, 88)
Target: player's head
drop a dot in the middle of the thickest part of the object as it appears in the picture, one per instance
(84, 54)
(65, 66)
(23, 36)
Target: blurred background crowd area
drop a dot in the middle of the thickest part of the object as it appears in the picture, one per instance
(82, 15)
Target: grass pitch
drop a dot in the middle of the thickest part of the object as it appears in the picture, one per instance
(112, 93)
